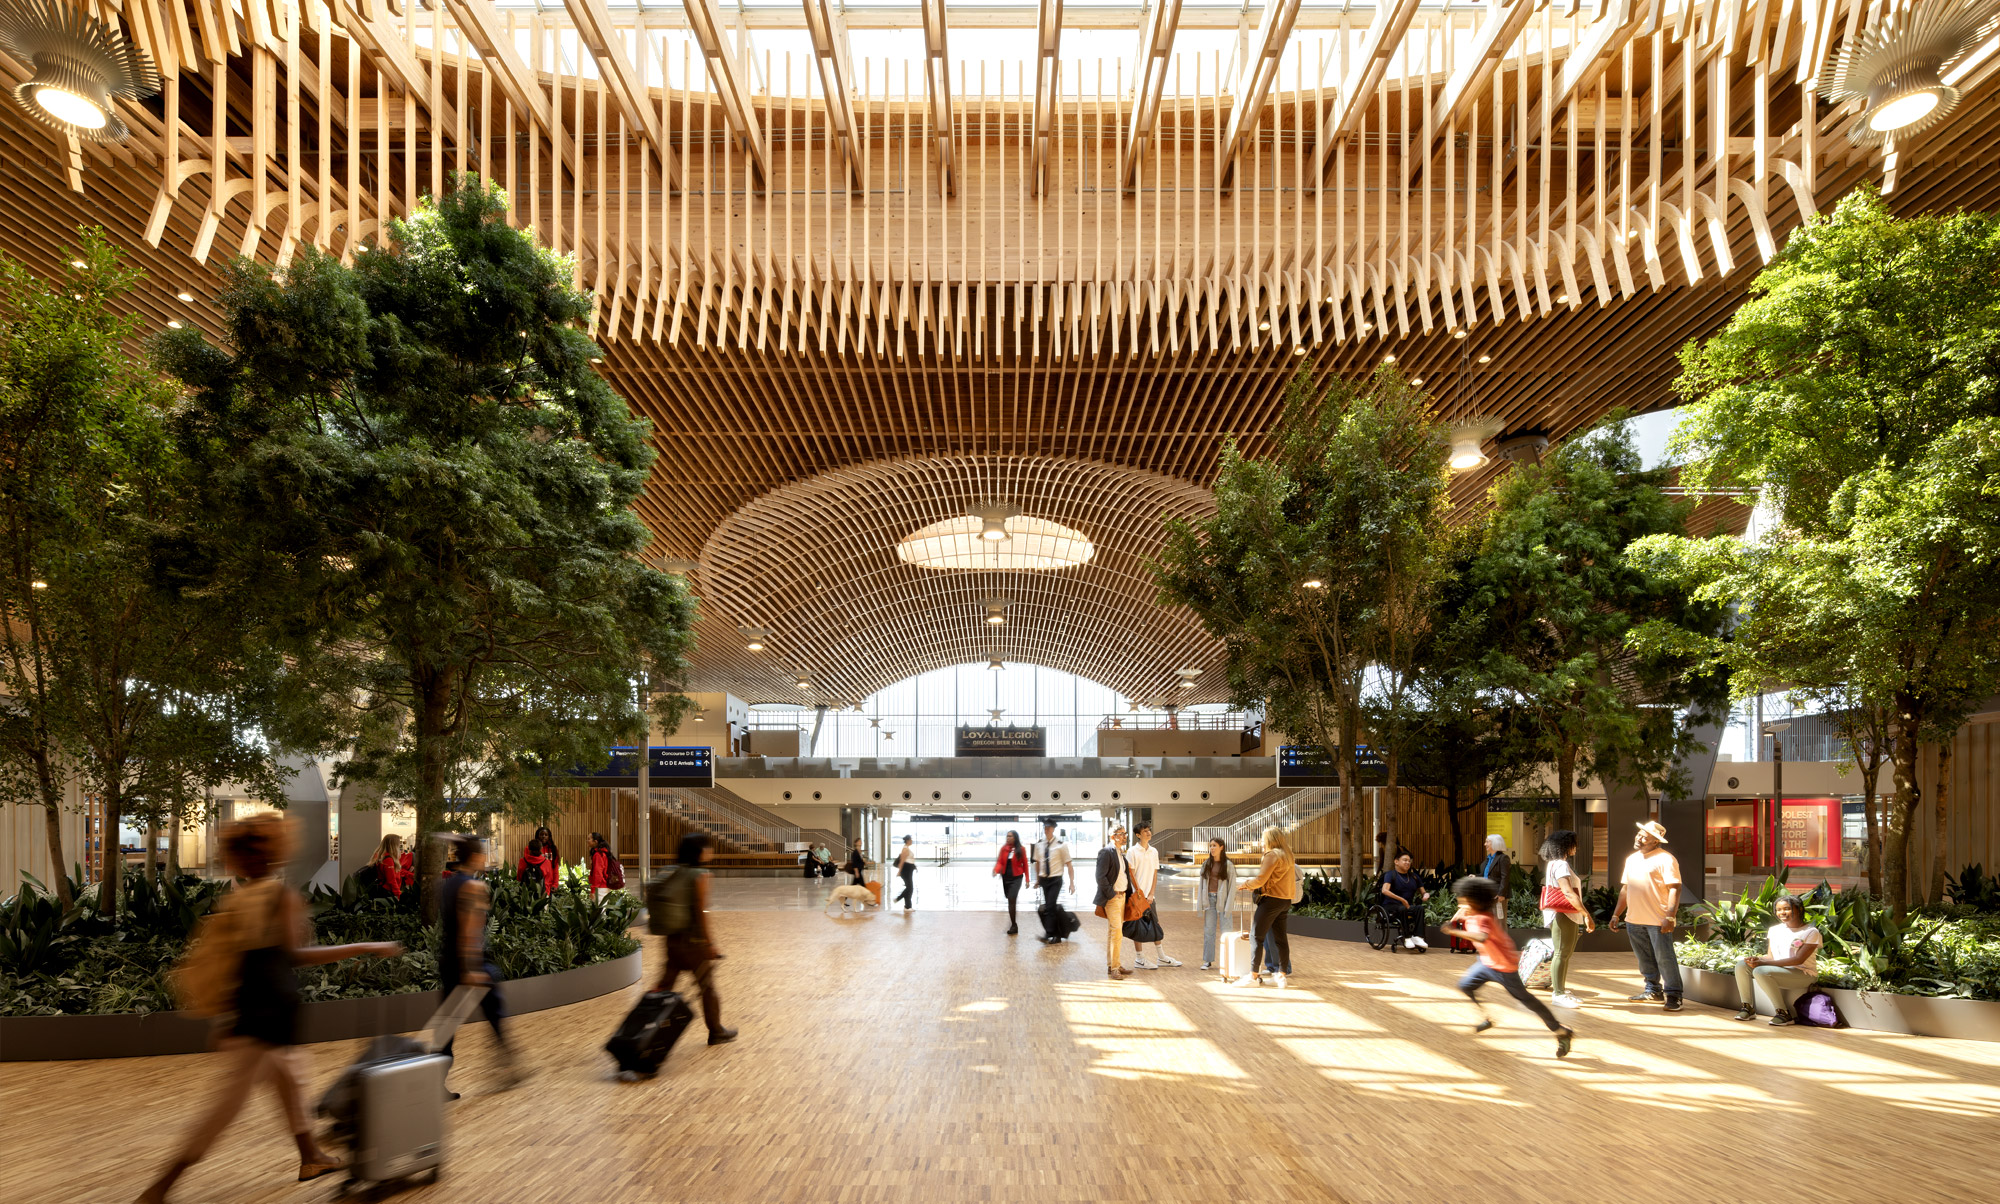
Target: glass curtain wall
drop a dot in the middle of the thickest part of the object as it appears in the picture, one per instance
(920, 716)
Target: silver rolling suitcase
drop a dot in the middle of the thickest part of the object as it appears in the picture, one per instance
(393, 1102)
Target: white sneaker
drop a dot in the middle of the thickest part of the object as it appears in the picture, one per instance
(1283, 980)
(1140, 963)
(1167, 959)
(1565, 1000)
(1421, 943)
(1248, 980)
(1208, 965)
(1409, 942)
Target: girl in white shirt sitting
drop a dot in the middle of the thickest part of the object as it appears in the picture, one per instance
(1792, 964)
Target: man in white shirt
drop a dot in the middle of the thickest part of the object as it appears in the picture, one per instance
(1050, 859)
(1145, 862)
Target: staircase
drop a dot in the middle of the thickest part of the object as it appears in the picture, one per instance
(739, 825)
(1281, 806)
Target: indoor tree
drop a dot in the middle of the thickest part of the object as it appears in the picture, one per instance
(1292, 573)
(1857, 392)
(119, 676)
(1551, 597)
(425, 489)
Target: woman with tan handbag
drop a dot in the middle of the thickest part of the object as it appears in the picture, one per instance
(1274, 888)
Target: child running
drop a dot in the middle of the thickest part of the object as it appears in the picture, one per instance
(1499, 960)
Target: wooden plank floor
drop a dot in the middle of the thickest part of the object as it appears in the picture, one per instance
(931, 1058)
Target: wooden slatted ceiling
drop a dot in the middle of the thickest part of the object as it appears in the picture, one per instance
(1111, 319)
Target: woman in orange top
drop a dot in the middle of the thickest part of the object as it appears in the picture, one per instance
(1012, 867)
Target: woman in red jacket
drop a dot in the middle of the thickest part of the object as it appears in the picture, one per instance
(1012, 867)
(388, 862)
(606, 875)
(537, 868)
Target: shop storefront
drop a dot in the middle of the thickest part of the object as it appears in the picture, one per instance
(1756, 833)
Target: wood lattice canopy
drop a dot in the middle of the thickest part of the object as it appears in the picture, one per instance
(853, 292)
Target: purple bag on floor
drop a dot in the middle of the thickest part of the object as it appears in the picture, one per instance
(1815, 1008)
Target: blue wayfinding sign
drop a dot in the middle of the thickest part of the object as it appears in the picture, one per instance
(666, 766)
(1308, 765)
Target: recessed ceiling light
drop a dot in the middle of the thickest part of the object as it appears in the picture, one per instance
(1389, 359)
(804, 683)
(1298, 351)
(1314, 583)
(185, 296)
(1562, 298)
(1459, 333)
(1485, 359)
(1417, 382)
(596, 359)
(38, 585)
(77, 263)
(173, 324)
(1329, 300)
(1263, 326)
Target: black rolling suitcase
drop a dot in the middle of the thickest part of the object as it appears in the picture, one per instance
(1058, 922)
(643, 1041)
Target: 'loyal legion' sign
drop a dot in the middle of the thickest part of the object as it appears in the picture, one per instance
(1002, 742)
(665, 767)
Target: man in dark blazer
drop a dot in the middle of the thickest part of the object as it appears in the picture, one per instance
(1113, 884)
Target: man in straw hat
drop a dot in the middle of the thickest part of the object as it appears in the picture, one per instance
(1649, 894)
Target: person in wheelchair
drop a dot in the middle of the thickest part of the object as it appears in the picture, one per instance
(1403, 900)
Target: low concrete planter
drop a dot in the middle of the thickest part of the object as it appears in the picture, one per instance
(1877, 1011)
(1353, 930)
(75, 1038)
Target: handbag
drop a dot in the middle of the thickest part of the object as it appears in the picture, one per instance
(1553, 899)
(1146, 929)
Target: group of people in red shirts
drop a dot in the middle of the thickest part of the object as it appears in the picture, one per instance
(396, 868)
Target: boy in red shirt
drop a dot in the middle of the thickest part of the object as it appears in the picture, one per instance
(1499, 960)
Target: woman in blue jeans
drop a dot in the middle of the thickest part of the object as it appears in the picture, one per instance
(1212, 895)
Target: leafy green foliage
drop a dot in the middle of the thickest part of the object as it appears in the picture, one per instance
(75, 962)
(423, 489)
(1742, 919)
(1972, 887)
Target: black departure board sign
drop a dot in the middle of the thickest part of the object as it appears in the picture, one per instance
(1308, 765)
(667, 766)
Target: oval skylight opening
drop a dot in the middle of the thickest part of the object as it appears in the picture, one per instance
(1031, 543)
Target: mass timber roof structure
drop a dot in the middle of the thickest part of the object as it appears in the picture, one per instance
(866, 268)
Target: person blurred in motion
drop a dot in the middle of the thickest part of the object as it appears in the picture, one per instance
(1276, 882)
(1214, 892)
(536, 869)
(387, 863)
(857, 864)
(241, 962)
(1012, 869)
(690, 945)
(1479, 921)
(464, 905)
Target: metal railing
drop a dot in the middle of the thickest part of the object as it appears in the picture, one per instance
(1287, 813)
(997, 767)
(710, 811)
(1152, 721)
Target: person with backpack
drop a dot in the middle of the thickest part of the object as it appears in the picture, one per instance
(464, 903)
(536, 870)
(241, 963)
(677, 909)
(606, 872)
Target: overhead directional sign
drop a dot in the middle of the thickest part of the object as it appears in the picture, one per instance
(1308, 765)
(666, 766)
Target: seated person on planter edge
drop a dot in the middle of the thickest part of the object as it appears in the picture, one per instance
(1792, 964)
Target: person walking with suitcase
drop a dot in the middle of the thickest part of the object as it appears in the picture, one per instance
(241, 961)
(1214, 893)
(690, 947)
(1012, 869)
(463, 958)
(1051, 861)
(1114, 882)
(906, 866)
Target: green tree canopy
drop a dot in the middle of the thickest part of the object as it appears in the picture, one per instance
(1551, 598)
(117, 674)
(425, 491)
(1308, 553)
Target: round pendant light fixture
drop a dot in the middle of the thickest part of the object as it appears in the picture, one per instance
(80, 64)
(1903, 66)
(995, 537)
